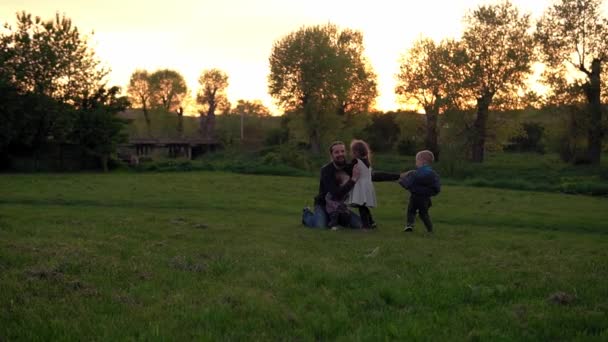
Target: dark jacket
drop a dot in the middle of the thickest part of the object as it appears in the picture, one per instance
(422, 182)
(329, 183)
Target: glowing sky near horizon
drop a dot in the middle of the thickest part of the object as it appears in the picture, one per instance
(237, 35)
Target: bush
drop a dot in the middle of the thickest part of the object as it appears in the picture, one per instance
(172, 165)
(604, 173)
(407, 147)
(529, 141)
(454, 168)
(454, 161)
(271, 158)
(585, 188)
(276, 136)
(295, 158)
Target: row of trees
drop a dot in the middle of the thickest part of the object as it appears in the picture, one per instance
(320, 72)
(166, 89)
(52, 91)
(53, 87)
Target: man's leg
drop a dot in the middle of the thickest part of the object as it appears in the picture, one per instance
(316, 219)
(307, 215)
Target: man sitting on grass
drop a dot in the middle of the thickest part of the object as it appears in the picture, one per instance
(329, 183)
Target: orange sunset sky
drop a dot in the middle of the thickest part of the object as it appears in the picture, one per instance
(237, 35)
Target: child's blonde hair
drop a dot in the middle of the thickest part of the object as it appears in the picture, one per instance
(425, 156)
(361, 149)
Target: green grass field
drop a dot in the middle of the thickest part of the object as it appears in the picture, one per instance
(219, 256)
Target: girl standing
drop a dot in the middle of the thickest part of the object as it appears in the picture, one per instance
(363, 195)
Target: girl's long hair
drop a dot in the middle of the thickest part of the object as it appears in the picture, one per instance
(361, 149)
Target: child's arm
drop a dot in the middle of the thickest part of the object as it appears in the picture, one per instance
(328, 180)
(407, 179)
(436, 184)
(379, 176)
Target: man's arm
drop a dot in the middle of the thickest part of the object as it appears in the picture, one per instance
(329, 184)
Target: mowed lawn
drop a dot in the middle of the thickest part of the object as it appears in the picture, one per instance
(217, 256)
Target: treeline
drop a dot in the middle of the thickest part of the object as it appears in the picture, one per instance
(538, 130)
(321, 75)
(52, 93)
(470, 89)
(321, 78)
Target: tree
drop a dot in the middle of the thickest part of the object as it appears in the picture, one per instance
(383, 132)
(46, 69)
(29, 120)
(249, 108)
(97, 128)
(572, 35)
(211, 97)
(168, 89)
(361, 85)
(319, 73)
(411, 132)
(180, 121)
(50, 58)
(499, 53)
(427, 76)
(140, 92)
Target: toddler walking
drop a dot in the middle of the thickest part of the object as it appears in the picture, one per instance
(422, 183)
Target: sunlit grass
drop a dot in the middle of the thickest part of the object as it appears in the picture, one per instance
(218, 256)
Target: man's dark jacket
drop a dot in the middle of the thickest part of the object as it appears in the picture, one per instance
(328, 182)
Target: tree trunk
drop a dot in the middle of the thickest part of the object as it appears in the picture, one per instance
(210, 126)
(315, 143)
(342, 109)
(147, 117)
(593, 91)
(242, 121)
(104, 162)
(431, 132)
(202, 125)
(479, 137)
(180, 122)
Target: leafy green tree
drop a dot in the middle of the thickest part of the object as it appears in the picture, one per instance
(168, 89)
(319, 73)
(52, 90)
(10, 114)
(140, 93)
(411, 132)
(50, 58)
(383, 132)
(428, 78)
(49, 69)
(361, 81)
(499, 52)
(97, 127)
(572, 35)
(211, 97)
(251, 109)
